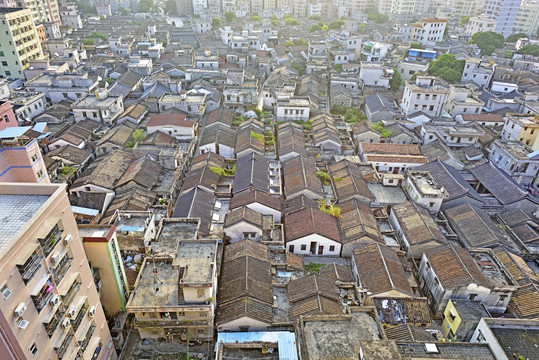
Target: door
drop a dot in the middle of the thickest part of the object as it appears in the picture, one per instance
(291, 248)
(396, 170)
(321, 250)
(312, 249)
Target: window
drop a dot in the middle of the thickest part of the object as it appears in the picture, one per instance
(303, 247)
(8, 73)
(40, 174)
(4, 63)
(6, 293)
(332, 248)
(502, 298)
(6, 119)
(472, 296)
(34, 349)
(201, 293)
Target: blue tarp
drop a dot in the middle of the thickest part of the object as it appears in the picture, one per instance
(286, 341)
(132, 228)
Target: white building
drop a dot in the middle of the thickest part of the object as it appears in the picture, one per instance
(100, 107)
(423, 189)
(430, 31)
(295, 109)
(462, 101)
(427, 94)
(374, 51)
(451, 133)
(375, 75)
(516, 160)
(504, 12)
(479, 24)
(476, 73)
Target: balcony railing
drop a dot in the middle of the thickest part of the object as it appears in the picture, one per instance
(30, 266)
(84, 343)
(49, 241)
(97, 351)
(71, 293)
(76, 323)
(61, 351)
(45, 294)
(61, 270)
(54, 322)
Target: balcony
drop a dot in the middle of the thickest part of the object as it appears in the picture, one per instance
(71, 293)
(30, 266)
(54, 321)
(62, 268)
(82, 312)
(97, 351)
(86, 341)
(49, 242)
(44, 295)
(61, 351)
(185, 321)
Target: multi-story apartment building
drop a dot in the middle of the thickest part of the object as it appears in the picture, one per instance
(402, 10)
(504, 12)
(100, 107)
(516, 160)
(457, 10)
(427, 94)
(480, 23)
(451, 134)
(42, 10)
(101, 247)
(174, 297)
(461, 100)
(7, 116)
(50, 308)
(20, 156)
(429, 31)
(477, 73)
(527, 20)
(19, 42)
(62, 87)
(521, 127)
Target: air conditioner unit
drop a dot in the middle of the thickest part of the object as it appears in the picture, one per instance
(20, 309)
(22, 324)
(55, 300)
(55, 258)
(72, 312)
(68, 239)
(66, 323)
(91, 312)
(6, 292)
(127, 216)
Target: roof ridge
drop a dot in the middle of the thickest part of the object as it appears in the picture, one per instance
(385, 266)
(461, 262)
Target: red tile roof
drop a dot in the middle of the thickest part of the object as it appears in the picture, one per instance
(171, 120)
(311, 221)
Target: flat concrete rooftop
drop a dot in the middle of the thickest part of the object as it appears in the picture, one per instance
(198, 260)
(15, 212)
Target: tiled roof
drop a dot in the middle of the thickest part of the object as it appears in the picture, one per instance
(475, 227)
(454, 267)
(255, 196)
(380, 270)
(245, 283)
(299, 175)
(310, 221)
(245, 139)
(349, 182)
(357, 221)
(505, 189)
(252, 171)
(312, 295)
(385, 148)
(196, 204)
(170, 119)
(417, 224)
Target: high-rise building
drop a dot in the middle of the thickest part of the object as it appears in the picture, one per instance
(42, 10)
(20, 156)
(527, 20)
(19, 42)
(504, 12)
(185, 7)
(50, 308)
(101, 247)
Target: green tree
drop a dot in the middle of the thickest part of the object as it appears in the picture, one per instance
(465, 20)
(287, 16)
(274, 17)
(289, 43)
(514, 37)
(196, 16)
(447, 67)
(335, 25)
(274, 23)
(256, 18)
(415, 75)
(216, 23)
(315, 27)
(145, 6)
(139, 135)
(338, 67)
(291, 22)
(415, 45)
(314, 17)
(377, 17)
(325, 28)
(110, 80)
(487, 41)
(529, 50)
(396, 80)
(125, 12)
(230, 16)
(88, 42)
(95, 34)
(85, 8)
(171, 7)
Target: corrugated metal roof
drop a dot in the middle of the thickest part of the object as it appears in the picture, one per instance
(13, 132)
(286, 341)
(84, 211)
(40, 127)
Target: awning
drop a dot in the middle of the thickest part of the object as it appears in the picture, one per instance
(26, 252)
